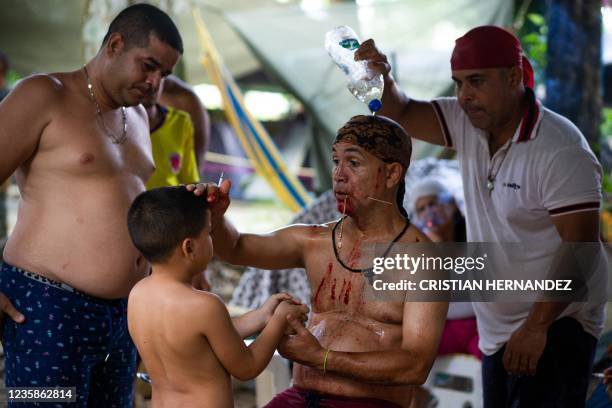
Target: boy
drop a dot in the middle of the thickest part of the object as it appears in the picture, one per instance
(186, 337)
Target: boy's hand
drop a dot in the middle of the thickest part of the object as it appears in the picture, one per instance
(216, 196)
(299, 313)
(270, 305)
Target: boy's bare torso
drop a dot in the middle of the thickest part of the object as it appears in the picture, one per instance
(75, 192)
(182, 365)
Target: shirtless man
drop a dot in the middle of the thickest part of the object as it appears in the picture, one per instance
(355, 353)
(81, 151)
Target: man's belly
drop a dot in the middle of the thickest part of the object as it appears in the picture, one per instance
(89, 250)
(346, 332)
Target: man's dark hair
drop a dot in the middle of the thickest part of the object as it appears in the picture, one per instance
(160, 219)
(137, 22)
(4, 63)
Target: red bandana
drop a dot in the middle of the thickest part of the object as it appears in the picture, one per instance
(490, 47)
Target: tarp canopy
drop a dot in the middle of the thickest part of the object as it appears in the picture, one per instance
(61, 35)
(286, 37)
(418, 37)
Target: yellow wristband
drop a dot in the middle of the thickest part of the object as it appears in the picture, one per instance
(325, 360)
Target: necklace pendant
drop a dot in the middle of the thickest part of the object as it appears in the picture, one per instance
(490, 185)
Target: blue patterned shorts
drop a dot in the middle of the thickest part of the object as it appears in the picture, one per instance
(68, 339)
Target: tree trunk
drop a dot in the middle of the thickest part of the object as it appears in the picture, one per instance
(573, 72)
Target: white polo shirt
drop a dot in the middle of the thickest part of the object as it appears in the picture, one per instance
(547, 169)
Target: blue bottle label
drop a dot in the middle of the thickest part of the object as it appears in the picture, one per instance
(349, 44)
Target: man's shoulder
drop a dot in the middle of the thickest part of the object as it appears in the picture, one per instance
(412, 235)
(313, 230)
(415, 235)
(557, 132)
(41, 87)
(56, 80)
(448, 104)
(558, 142)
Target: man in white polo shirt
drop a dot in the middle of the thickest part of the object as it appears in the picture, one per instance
(529, 176)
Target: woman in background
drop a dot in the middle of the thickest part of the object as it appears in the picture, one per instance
(435, 212)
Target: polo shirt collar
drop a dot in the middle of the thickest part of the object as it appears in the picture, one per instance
(528, 128)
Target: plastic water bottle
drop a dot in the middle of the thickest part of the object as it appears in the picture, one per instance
(341, 43)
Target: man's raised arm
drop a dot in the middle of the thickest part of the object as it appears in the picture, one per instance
(418, 118)
(279, 249)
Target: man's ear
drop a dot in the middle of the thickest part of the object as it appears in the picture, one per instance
(515, 76)
(114, 45)
(187, 248)
(395, 172)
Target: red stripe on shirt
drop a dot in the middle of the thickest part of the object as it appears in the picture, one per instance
(448, 142)
(574, 208)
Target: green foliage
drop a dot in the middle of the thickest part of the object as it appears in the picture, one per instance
(12, 77)
(606, 137)
(537, 20)
(533, 39)
(606, 185)
(606, 133)
(606, 123)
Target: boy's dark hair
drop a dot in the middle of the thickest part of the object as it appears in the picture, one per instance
(137, 22)
(160, 219)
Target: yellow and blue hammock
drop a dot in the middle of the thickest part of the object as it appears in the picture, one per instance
(256, 142)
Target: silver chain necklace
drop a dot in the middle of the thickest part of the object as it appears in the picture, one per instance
(114, 139)
(493, 173)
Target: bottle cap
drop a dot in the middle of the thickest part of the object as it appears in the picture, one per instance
(374, 105)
